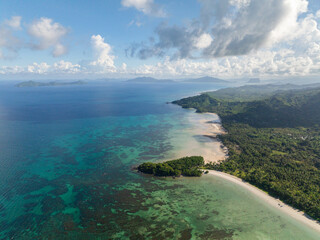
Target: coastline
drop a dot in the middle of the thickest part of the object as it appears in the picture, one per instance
(296, 216)
(213, 130)
(210, 128)
(198, 137)
(216, 128)
(271, 201)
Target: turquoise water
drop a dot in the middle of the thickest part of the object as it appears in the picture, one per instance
(66, 162)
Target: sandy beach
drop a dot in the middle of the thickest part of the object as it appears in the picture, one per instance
(276, 203)
(207, 145)
(211, 129)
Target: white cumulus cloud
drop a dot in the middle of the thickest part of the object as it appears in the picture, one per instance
(43, 68)
(11, 70)
(9, 43)
(203, 41)
(102, 50)
(66, 67)
(145, 6)
(48, 34)
(38, 68)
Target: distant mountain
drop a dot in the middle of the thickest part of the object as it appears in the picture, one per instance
(206, 79)
(149, 80)
(254, 80)
(48, 84)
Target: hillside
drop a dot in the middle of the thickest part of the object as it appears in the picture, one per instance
(266, 106)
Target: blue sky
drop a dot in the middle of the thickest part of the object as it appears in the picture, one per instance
(181, 38)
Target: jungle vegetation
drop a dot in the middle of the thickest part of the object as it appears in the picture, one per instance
(186, 166)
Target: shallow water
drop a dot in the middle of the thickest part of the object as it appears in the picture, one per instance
(195, 135)
(66, 169)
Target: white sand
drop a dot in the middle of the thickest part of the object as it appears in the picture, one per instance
(204, 128)
(292, 212)
(212, 129)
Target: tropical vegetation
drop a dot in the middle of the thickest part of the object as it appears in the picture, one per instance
(186, 166)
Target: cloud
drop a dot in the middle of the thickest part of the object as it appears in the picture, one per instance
(38, 68)
(146, 6)
(203, 41)
(14, 22)
(59, 50)
(291, 48)
(48, 34)
(43, 68)
(185, 40)
(104, 58)
(258, 24)
(296, 54)
(103, 63)
(227, 28)
(9, 43)
(66, 67)
(45, 34)
(137, 23)
(6, 70)
(282, 63)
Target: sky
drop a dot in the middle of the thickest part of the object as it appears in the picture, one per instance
(159, 38)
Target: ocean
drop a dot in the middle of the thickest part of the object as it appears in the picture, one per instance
(66, 168)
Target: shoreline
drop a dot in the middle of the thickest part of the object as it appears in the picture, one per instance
(293, 214)
(290, 211)
(199, 137)
(211, 130)
(271, 201)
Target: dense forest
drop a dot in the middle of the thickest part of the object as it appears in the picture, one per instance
(273, 139)
(186, 166)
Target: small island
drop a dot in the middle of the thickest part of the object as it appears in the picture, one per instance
(48, 84)
(186, 166)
